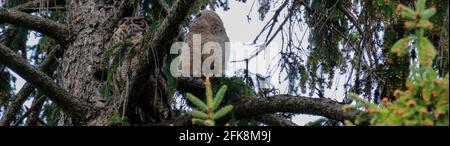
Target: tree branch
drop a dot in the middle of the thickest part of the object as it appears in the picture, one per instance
(37, 103)
(282, 103)
(295, 104)
(313, 11)
(350, 16)
(33, 6)
(275, 120)
(259, 107)
(48, 27)
(165, 7)
(27, 89)
(159, 42)
(169, 27)
(7, 39)
(75, 107)
(35, 109)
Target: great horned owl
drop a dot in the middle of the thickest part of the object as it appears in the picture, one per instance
(126, 51)
(209, 25)
(130, 29)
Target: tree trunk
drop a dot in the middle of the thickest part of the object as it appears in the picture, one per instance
(91, 24)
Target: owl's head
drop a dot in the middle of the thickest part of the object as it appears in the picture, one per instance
(207, 20)
(138, 23)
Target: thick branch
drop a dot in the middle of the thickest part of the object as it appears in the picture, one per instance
(284, 103)
(295, 104)
(350, 16)
(168, 29)
(264, 108)
(48, 27)
(73, 106)
(27, 89)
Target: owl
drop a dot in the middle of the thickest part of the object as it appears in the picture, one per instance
(130, 29)
(211, 29)
(127, 51)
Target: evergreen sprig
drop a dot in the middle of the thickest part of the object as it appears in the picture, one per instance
(206, 113)
(425, 101)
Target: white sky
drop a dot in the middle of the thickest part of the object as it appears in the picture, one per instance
(241, 32)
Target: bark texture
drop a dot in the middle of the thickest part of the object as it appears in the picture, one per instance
(91, 24)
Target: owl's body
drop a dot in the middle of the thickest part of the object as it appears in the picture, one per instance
(128, 51)
(209, 25)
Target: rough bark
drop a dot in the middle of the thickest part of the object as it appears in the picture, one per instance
(92, 25)
(295, 104)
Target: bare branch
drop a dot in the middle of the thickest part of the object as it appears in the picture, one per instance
(51, 28)
(350, 16)
(272, 22)
(310, 9)
(73, 106)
